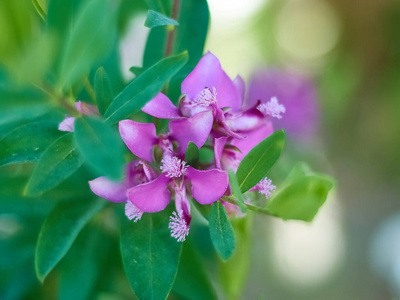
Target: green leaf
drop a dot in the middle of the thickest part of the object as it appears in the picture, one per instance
(101, 145)
(102, 87)
(191, 36)
(257, 163)
(60, 230)
(233, 273)
(144, 87)
(190, 279)
(150, 255)
(156, 5)
(41, 7)
(155, 19)
(221, 231)
(155, 46)
(59, 161)
(192, 155)
(236, 190)
(89, 41)
(136, 70)
(301, 196)
(27, 142)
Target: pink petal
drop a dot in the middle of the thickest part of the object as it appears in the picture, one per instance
(219, 145)
(110, 190)
(209, 73)
(86, 109)
(67, 124)
(194, 129)
(139, 137)
(253, 138)
(152, 196)
(240, 86)
(207, 185)
(161, 107)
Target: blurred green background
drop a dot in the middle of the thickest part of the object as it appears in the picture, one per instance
(350, 50)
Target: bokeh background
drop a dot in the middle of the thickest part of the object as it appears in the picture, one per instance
(347, 54)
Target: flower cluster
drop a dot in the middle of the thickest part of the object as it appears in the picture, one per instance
(211, 112)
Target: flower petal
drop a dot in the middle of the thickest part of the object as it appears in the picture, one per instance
(240, 86)
(207, 185)
(86, 109)
(194, 129)
(110, 190)
(209, 73)
(253, 138)
(161, 107)
(219, 145)
(139, 137)
(152, 196)
(67, 124)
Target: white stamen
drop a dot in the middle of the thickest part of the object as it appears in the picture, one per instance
(174, 167)
(132, 212)
(179, 227)
(206, 97)
(272, 108)
(265, 187)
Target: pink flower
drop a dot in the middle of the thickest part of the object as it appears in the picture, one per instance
(87, 109)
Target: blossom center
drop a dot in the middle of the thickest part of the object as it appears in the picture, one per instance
(265, 187)
(272, 108)
(179, 227)
(206, 97)
(174, 167)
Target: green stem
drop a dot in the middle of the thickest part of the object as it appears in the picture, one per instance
(231, 200)
(89, 89)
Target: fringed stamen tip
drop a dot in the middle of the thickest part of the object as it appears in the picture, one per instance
(179, 227)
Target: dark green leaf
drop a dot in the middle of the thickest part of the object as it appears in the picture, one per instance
(60, 230)
(89, 40)
(301, 197)
(59, 161)
(192, 155)
(136, 70)
(236, 190)
(144, 88)
(150, 255)
(191, 36)
(193, 282)
(100, 144)
(102, 87)
(156, 5)
(256, 164)
(233, 273)
(27, 142)
(155, 46)
(221, 231)
(155, 19)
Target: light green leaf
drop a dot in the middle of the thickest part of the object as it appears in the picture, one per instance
(155, 19)
(60, 230)
(301, 196)
(150, 255)
(236, 190)
(144, 87)
(88, 42)
(101, 145)
(59, 161)
(102, 87)
(221, 231)
(41, 7)
(192, 155)
(257, 163)
(27, 142)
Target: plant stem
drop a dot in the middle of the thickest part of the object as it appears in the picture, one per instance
(89, 89)
(231, 200)
(171, 34)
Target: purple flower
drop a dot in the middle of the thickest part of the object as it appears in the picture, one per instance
(206, 187)
(295, 92)
(136, 172)
(87, 109)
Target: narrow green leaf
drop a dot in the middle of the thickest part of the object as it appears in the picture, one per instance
(88, 42)
(59, 161)
(41, 8)
(156, 5)
(192, 155)
(150, 255)
(301, 197)
(155, 46)
(221, 231)
(190, 279)
(136, 70)
(155, 19)
(144, 88)
(60, 230)
(236, 190)
(234, 272)
(27, 142)
(257, 163)
(100, 144)
(102, 87)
